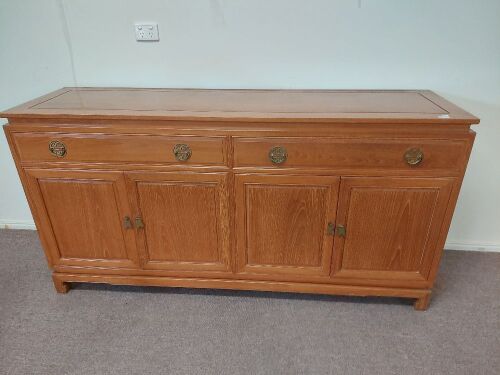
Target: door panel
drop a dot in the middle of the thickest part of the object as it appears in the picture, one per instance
(186, 220)
(282, 223)
(82, 214)
(392, 226)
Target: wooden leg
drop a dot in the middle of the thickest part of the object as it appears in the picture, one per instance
(422, 303)
(61, 286)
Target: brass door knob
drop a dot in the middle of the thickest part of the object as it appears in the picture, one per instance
(414, 156)
(182, 152)
(57, 148)
(278, 154)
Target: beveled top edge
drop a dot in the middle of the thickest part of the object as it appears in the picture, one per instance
(434, 108)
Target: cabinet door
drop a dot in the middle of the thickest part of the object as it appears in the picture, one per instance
(392, 227)
(282, 224)
(81, 215)
(183, 220)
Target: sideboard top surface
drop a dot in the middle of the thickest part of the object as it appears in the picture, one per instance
(388, 106)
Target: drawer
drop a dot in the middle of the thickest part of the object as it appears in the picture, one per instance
(386, 154)
(50, 147)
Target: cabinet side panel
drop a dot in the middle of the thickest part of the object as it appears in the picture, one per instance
(46, 238)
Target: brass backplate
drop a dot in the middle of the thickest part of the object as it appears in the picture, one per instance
(278, 154)
(414, 156)
(57, 148)
(182, 152)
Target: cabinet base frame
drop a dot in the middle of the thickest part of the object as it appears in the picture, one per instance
(421, 296)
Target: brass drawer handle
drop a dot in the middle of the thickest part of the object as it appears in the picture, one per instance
(414, 156)
(278, 154)
(182, 152)
(57, 148)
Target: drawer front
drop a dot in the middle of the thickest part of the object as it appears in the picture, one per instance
(387, 154)
(50, 147)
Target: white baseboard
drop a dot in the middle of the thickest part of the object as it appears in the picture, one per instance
(450, 245)
(473, 246)
(16, 224)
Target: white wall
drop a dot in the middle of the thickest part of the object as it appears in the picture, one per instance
(449, 46)
(33, 61)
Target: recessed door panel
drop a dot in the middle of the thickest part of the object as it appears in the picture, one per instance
(83, 213)
(282, 223)
(184, 221)
(392, 226)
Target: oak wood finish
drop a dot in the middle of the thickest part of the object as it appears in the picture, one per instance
(281, 223)
(422, 303)
(325, 153)
(270, 286)
(118, 206)
(358, 106)
(186, 219)
(396, 218)
(82, 214)
(121, 148)
(60, 285)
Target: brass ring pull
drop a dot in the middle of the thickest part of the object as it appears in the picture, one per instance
(414, 156)
(57, 148)
(182, 152)
(278, 154)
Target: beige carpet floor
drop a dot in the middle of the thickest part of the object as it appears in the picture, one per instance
(98, 329)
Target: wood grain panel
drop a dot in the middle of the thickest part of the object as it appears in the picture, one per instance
(281, 218)
(282, 223)
(84, 212)
(85, 207)
(392, 225)
(366, 154)
(120, 148)
(185, 217)
(384, 106)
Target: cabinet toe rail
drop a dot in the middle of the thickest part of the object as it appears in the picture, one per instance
(421, 296)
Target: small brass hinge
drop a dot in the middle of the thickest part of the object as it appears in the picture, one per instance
(330, 229)
(127, 223)
(340, 231)
(139, 224)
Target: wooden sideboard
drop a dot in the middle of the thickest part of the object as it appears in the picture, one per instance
(311, 191)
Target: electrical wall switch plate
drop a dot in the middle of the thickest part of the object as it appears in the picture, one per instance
(147, 32)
